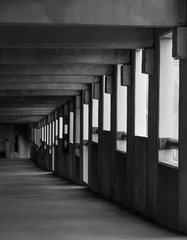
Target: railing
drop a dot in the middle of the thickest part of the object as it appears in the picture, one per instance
(168, 143)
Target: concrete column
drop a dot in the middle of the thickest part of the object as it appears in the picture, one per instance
(7, 144)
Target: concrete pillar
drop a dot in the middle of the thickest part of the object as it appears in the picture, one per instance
(7, 145)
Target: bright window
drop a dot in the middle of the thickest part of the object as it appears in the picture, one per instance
(53, 133)
(48, 135)
(106, 108)
(86, 122)
(168, 103)
(141, 98)
(65, 128)
(77, 125)
(71, 127)
(121, 113)
(77, 137)
(42, 134)
(56, 127)
(56, 132)
(45, 136)
(60, 127)
(85, 137)
(95, 119)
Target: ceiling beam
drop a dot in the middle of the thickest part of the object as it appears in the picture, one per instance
(73, 12)
(40, 99)
(59, 56)
(43, 86)
(20, 119)
(35, 99)
(49, 104)
(25, 111)
(48, 79)
(76, 37)
(60, 69)
(7, 114)
(9, 93)
(10, 105)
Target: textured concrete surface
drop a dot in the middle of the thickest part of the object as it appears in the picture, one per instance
(34, 204)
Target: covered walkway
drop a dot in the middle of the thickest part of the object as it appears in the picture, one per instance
(35, 204)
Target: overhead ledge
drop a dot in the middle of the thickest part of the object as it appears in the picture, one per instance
(159, 13)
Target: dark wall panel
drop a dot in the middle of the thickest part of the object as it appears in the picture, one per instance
(48, 159)
(140, 174)
(168, 196)
(56, 160)
(120, 177)
(60, 156)
(106, 159)
(70, 160)
(77, 170)
(95, 169)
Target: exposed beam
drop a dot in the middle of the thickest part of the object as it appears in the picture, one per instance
(48, 79)
(6, 102)
(14, 104)
(25, 111)
(20, 119)
(7, 93)
(43, 86)
(63, 69)
(37, 114)
(73, 12)
(76, 37)
(59, 56)
(36, 99)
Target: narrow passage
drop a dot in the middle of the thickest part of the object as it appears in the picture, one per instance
(36, 205)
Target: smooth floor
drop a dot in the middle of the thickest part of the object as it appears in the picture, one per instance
(36, 205)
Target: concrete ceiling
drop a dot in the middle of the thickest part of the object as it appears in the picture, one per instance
(38, 73)
(50, 51)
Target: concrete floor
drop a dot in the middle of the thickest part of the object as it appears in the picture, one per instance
(35, 205)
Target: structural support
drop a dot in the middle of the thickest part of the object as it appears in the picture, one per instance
(180, 42)
(97, 91)
(148, 61)
(43, 86)
(126, 75)
(182, 53)
(16, 93)
(109, 82)
(110, 13)
(60, 69)
(46, 79)
(182, 147)
(20, 119)
(60, 56)
(75, 37)
(87, 97)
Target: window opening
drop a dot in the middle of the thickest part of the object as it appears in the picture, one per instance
(106, 108)
(121, 113)
(168, 103)
(141, 98)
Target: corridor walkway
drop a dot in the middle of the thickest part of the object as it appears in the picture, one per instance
(35, 205)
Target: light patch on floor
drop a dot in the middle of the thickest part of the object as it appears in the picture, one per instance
(36, 205)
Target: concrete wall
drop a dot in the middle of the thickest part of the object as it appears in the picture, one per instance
(134, 178)
(8, 132)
